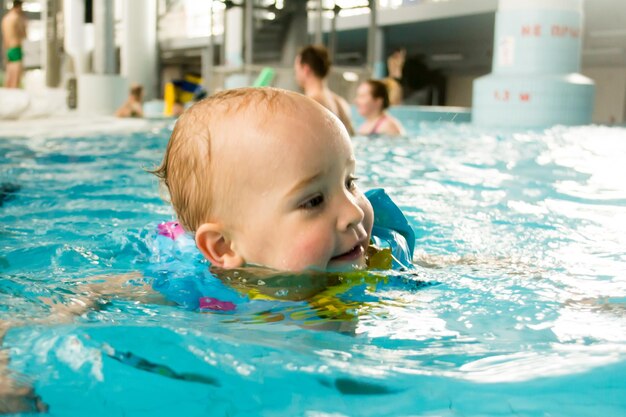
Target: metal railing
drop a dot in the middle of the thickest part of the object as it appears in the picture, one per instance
(184, 18)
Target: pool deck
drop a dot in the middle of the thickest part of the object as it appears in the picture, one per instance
(75, 124)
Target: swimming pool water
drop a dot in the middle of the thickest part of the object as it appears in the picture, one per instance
(519, 307)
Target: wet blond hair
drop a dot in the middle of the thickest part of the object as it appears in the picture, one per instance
(187, 171)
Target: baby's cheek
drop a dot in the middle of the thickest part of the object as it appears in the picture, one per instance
(310, 250)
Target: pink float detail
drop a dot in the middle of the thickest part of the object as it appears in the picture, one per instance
(171, 229)
(208, 303)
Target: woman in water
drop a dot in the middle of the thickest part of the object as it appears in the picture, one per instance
(372, 100)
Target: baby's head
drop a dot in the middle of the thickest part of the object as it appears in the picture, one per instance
(266, 177)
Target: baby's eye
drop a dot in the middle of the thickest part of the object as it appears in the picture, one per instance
(351, 182)
(313, 202)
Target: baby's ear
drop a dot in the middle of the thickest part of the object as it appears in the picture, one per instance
(216, 247)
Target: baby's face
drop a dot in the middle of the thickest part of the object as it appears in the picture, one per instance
(299, 206)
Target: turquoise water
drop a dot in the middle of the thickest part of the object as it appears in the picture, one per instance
(519, 307)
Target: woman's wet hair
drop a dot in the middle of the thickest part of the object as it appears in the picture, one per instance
(378, 89)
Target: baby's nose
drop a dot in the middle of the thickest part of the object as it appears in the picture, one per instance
(351, 215)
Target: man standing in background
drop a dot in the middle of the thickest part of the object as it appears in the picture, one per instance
(13, 34)
(312, 66)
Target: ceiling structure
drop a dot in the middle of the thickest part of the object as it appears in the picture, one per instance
(456, 36)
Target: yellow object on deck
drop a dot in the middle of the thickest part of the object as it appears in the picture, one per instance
(193, 79)
(169, 96)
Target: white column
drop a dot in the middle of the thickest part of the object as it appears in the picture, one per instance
(319, 22)
(206, 59)
(380, 66)
(104, 37)
(50, 44)
(249, 31)
(104, 90)
(75, 37)
(234, 37)
(372, 35)
(297, 35)
(332, 36)
(139, 44)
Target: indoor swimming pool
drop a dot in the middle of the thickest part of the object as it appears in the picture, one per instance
(518, 306)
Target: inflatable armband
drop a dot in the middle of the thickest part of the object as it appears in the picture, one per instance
(181, 273)
(391, 229)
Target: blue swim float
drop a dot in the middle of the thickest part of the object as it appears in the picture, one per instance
(182, 275)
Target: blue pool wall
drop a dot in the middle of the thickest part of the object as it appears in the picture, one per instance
(412, 116)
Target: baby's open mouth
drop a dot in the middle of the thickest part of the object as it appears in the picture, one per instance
(355, 253)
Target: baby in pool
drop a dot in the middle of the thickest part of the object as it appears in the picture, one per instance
(267, 177)
(264, 179)
(260, 177)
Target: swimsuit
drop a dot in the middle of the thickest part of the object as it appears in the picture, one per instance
(14, 54)
(377, 125)
(182, 275)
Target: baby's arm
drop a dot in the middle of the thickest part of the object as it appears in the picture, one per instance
(395, 63)
(16, 397)
(135, 109)
(102, 288)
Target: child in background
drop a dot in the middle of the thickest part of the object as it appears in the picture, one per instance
(133, 106)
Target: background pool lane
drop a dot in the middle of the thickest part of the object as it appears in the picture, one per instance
(523, 234)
